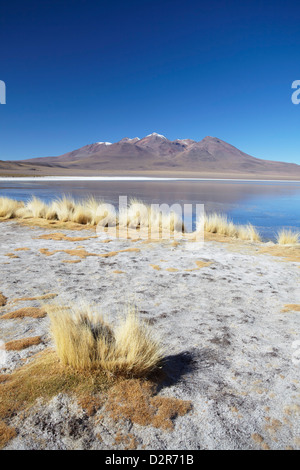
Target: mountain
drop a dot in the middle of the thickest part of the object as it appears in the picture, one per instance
(155, 155)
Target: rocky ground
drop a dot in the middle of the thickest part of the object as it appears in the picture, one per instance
(228, 316)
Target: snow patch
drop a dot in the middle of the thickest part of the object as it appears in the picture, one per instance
(155, 134)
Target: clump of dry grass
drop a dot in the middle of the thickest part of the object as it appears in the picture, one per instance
(9, 207)
(136, 400)
(90, 403)
(291, 308)
(85, 341)
(46, 377)
(24, 343)
(288, 237)
(80, 215)
(61, 236)
(141, 215)
(220, 224)
(61, 209)
(248, 232)
(37, 208)
(3, 300)
(33, 312)
(101, 213)
(4, 378)
(12, 255)
(37, 297)
(137, 215)
(6, 434)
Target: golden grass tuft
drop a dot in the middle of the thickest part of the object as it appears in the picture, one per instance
(65, 213)
(4, 378)
(288, 237)
(9, 207)
(81, 215)
(61, 236)
(291, 308)
(61, 209)
(99, 366)
(287, 252)
(248, 232)
(71, 261)
(104, 215)
(82, 253)
(85, 341)
(19, 344)
(3, 300)
(36, 208)
(90, 403)
(156, 267)
(127, 441)
(6, 434)
(136, 400)
(220, 224)
(37, 297)
(11, 255)
(141, 215)
(46, 377)
(33, 312)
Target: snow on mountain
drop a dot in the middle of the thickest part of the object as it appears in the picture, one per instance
(155, 134)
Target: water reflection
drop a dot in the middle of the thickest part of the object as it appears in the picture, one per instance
(267, 205)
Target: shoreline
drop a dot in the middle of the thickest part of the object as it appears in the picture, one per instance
(137, 178)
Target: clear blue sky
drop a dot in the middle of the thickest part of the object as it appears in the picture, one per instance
(80, 71)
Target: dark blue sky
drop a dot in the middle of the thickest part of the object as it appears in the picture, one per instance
(80, 71)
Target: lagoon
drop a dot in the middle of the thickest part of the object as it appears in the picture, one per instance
(268, 205)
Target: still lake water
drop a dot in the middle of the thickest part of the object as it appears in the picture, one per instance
(266, 204)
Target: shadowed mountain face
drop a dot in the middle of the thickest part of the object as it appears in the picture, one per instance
(156, 155)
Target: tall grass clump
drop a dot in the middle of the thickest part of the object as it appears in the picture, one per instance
(61, 209)
(288, 237)
(137, 214)
(248, 232)
(9, 207)
(36, 208)
(141, 215)
(105, 215)
(220, 224)
(84, 341)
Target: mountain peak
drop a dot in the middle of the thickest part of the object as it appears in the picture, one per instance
(155, 134)
(155, 153)
(210, 138)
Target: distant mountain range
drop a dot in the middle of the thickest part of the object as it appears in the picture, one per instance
(155, 155)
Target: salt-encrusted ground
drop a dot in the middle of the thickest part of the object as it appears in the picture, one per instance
(218, 308)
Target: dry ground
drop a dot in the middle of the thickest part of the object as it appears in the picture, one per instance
(228, 315)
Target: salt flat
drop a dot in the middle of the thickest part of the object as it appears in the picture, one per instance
(232, 350)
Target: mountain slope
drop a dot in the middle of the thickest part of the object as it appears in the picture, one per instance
(156, 155)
